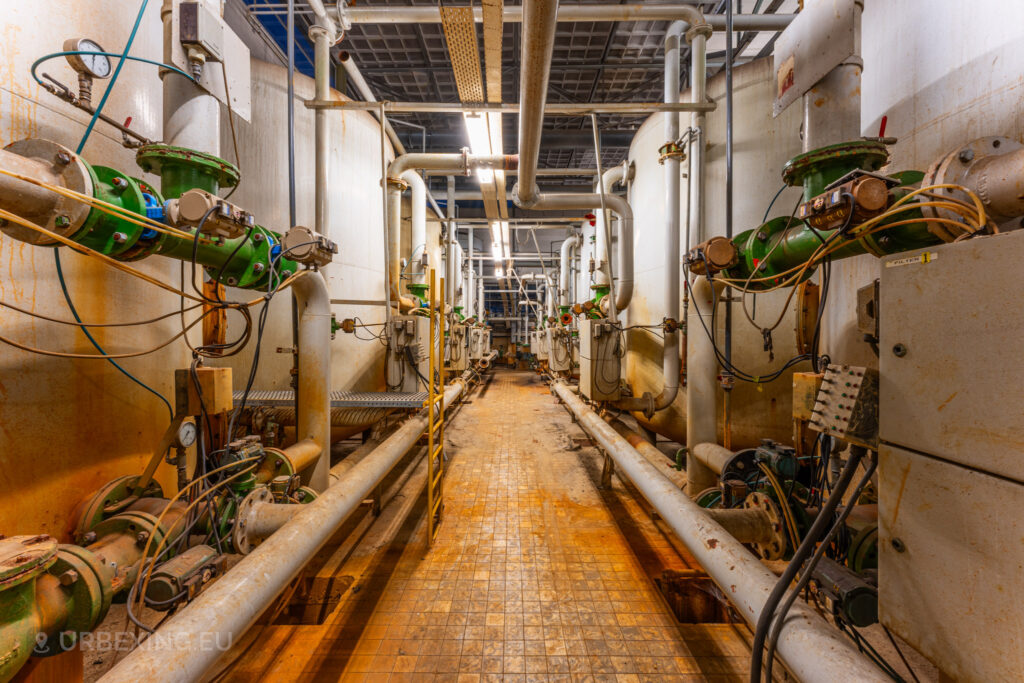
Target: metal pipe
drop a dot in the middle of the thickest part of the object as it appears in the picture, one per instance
(302, 454)
(624, 258)
(471, 287)
(322, 39)
(727, 341)
(671, 362)
(810, 648)
(712, 456)
(701, 387)
(539, 24)
(567, 14)
(559, 172)
(24, 198)
(550, 109)
(449, 262)
(225, 610)
(190, 114)
(291, 112)
(313, 421)
(565, 263)
(418, 232)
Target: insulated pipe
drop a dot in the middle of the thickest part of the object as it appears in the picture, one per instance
(313, 305)
(712, 456)
(539, 24)
(449, 259)
(322, 36)
(457, 294)
(401, 170)
(191, 115)
(671, 363)
(569, 13)
(565, 265)
(701, 376)
(810, 648)
(624, 262)
(418, 233)
(180, 650)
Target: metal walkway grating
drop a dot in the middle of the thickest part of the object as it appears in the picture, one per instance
(340, 399)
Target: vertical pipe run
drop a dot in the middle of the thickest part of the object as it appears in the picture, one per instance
(701, 425)
(728, 174)
(539, 25)
(313, 419)
(450, 265)
(291, 113)
(322, 80)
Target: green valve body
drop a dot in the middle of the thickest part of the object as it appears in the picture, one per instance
(239, 262)
(784, 243)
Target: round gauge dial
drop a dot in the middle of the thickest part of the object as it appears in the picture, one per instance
(97, 66)
(186, 434)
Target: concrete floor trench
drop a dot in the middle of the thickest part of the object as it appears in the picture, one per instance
(536, 573)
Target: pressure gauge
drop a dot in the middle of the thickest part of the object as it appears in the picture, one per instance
(96, 66)
(186, 435)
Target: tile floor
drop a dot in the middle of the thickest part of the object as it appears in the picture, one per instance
(534, 575)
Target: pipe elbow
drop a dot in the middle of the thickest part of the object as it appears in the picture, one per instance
(527, 199)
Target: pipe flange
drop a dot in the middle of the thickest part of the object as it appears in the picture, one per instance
(112, 498)
(240, 538)
(964, 166)
(88, 583)
(22, 558)
(774, 548)
(671, 150)
(67, 215)
(397, 183)
(696, 30)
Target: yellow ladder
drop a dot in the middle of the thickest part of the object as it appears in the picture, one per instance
(435, 410)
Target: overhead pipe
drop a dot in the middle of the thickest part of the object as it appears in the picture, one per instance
(567, 255)
(539, 24)
(697, 32)
(402, 171)
(809, 647)
(180, 649)
(569, 13)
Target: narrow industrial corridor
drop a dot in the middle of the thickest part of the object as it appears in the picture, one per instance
(536, 574)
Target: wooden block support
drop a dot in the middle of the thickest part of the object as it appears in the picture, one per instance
(805, 393)
(215, 384)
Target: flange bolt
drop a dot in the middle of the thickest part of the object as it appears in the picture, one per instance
(61, 222)
(899, 350)
(120, 237)
(67, 578)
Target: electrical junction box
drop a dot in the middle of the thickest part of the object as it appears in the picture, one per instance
(458, 347)
(479, 342)
(409, 353)
(560, 356)
(200, 29)
(215, 386)
(805, 394)
(847, 405)
(535, 342)
(600, 361)
(543, 343)
(951, 465)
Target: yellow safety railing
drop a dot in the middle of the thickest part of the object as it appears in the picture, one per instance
(435, 410)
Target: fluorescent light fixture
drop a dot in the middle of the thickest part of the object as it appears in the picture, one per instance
(505, 241)
(499, 271)
(478, 130)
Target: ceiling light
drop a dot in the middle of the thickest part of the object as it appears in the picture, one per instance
(478, 129)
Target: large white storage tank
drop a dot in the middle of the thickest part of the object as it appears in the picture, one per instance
(761, 145)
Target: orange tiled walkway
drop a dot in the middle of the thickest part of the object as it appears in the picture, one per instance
(531, 577)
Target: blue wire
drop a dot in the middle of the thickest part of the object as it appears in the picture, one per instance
(113, 79)
(768, 210)
(56, 252)
(85, 330)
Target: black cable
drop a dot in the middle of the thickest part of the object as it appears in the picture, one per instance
(808, 574)
(900, 653)
(821, 523)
